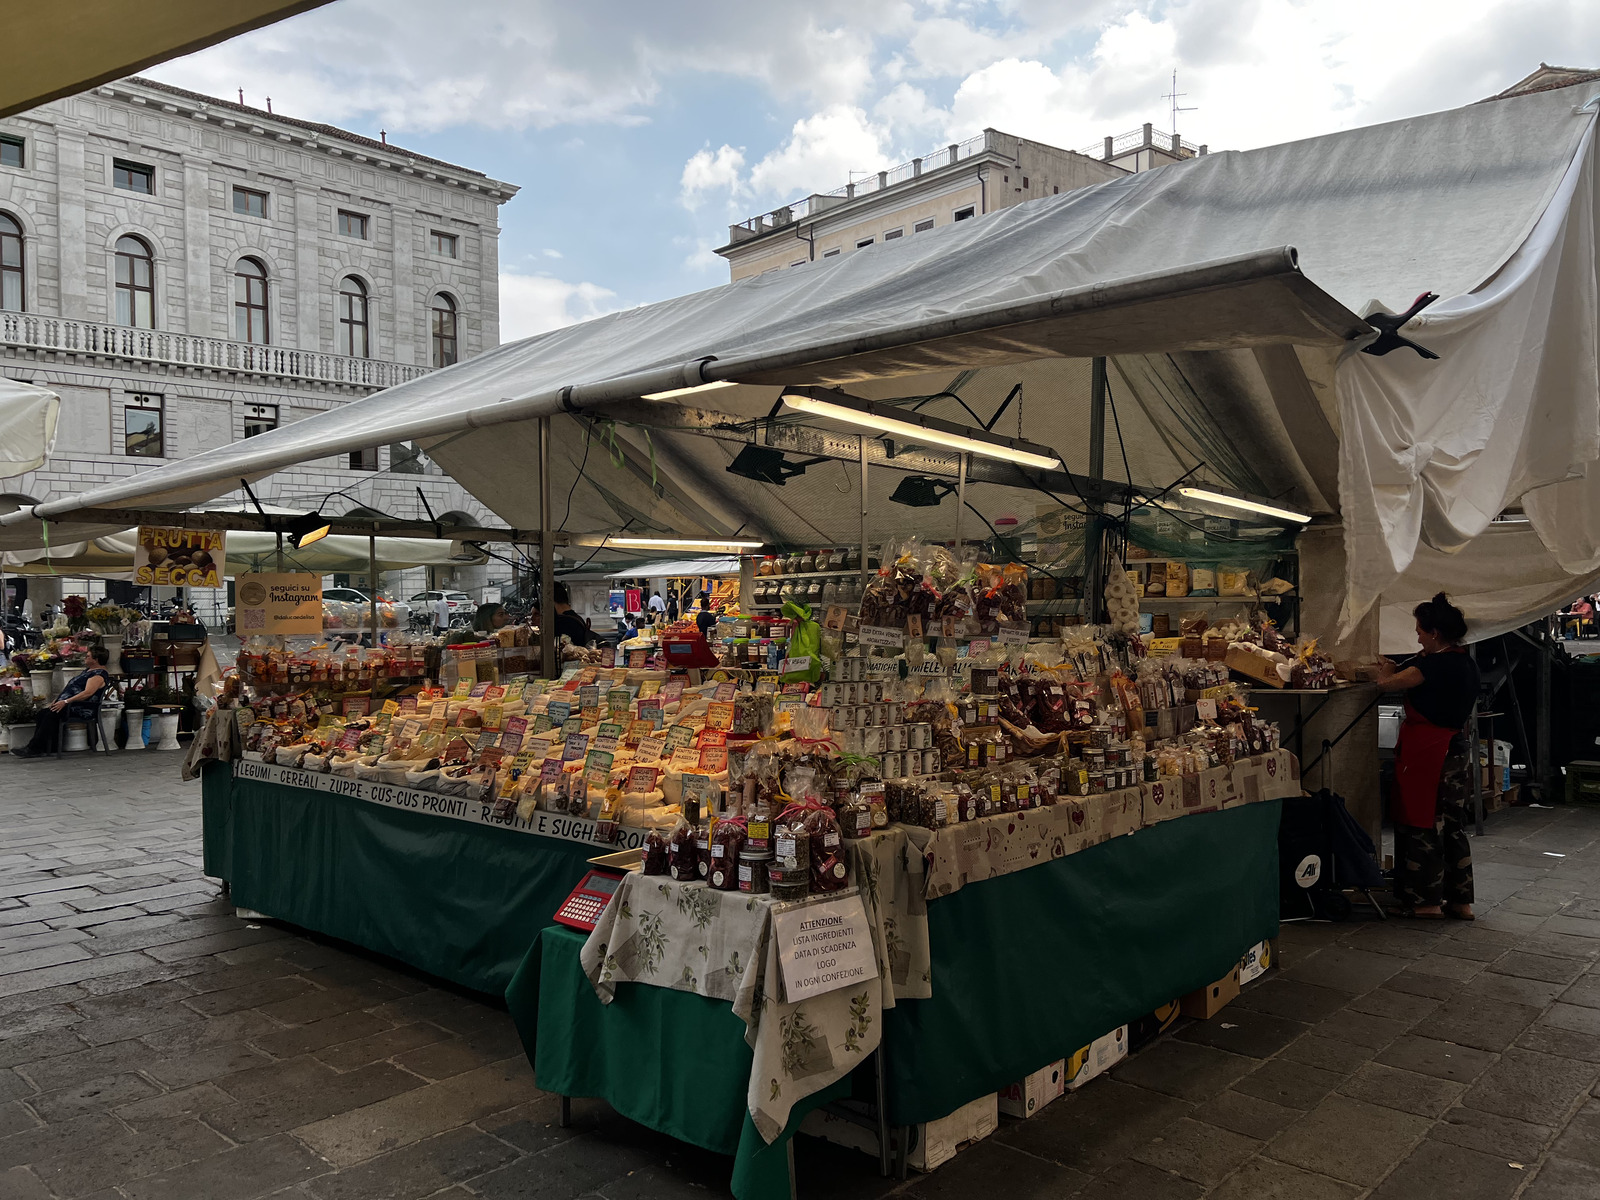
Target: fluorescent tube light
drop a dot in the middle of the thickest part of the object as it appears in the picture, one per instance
(688, 391)
(914, 427)
(1254, 506)
(685, 543)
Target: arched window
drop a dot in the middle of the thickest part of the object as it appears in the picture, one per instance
(12, 293)
(135, 288)
(353, 334)
(444, 331)
(250, 302)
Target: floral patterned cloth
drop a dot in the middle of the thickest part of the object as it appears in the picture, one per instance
(692, 938)
(889, 868)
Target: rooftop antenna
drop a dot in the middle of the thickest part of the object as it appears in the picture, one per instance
(383, 136)
(269, 103)
(1174, 96)
(241, 95)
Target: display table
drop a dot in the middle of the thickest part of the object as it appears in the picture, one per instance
(431, 880)
(1027, 968)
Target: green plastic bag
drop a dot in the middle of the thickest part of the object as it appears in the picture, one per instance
(805, 644)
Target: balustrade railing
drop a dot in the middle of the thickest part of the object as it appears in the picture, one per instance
(188, 350)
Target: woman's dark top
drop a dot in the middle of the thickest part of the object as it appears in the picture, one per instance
(571, 626)
(80, 683)
(706, 620)
(1448, 688)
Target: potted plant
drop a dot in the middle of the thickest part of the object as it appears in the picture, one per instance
(17, 716)
(133, 702)
(106, 620)
(165, 705)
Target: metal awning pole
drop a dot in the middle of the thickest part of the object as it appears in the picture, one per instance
(280, 554)
(548, 666)
(863, 440)
(961, 498)
(1094, 572)
(372, 583)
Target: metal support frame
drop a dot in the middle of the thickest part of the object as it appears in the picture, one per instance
(548, 666)
(862, 451)
(1474, 757)
(961, 498)
(372, 584)
(1093, 550)
(1542, 772)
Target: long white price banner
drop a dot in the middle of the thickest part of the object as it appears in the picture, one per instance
(459, 808)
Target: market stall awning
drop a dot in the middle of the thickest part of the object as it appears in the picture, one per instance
(28, 417)
(1224, 289)
(680, 567)
(70, 47)
(111, 556)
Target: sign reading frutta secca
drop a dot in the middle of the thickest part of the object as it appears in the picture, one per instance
(171, 557)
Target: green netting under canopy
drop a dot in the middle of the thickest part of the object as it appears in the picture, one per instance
(1237, 543)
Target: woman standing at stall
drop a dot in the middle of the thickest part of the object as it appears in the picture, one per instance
(1432, 857)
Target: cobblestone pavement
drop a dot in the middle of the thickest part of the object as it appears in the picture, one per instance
(153, 1046)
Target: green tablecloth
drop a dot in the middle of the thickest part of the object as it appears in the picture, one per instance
(1027, 968)
(673, 1061)
(457, 900)
(1031, 966)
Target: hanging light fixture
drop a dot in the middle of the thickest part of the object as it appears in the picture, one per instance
(911, 426)
(1210, 495)
(766, 465)
(302, 531)
(732, 544)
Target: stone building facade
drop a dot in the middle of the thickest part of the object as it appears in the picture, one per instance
(186, 271)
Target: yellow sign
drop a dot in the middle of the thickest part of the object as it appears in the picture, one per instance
(288, 602)
(170, 557)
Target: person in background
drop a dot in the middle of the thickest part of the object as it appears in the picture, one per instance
(705, 618)
(1432, 857)
(74, 704)
(569, 624)
(441, 615)
(485, 621)
(657, 607)
(672, 605)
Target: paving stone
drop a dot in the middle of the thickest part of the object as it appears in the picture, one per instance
(65, 1070)
(1574, 1017)
(1203, 1153)
(354, 1136)
(185, 1067)
(1331, 1054)
(1089, 1130)
(123, 1156)
(1493, 987)
(1563, 1043)
(1249, 1115)
(16, 1117)
(1349, 1140)
(96, 1094)
(1484, 1025)
(1441, 1060)
(1291, 1084)
(249, 995)
(44, 956)
(318, 1035)
(1507, 1137)
(1532, 1087)
(1584, 927)
(532, 1126)
(378, 1046)
(1427, 984)
(1344, 970)
(1267, 1179)
(275, 1112)
(1564, 1179)
(1182, 1069)
(31, 1047)
(1585, 992)
(196, 1101)
(1459, 1172)
(1362, 1028)
(1137, 1179)
(1289, 998)
(323, 1002)
(422, 1168)
(237, 1174)
(1405, 1091)
(19, 1183)
(1580, 1140)
(81, 971)
(272, 1078)
(1537, 966)
(1405, 1007)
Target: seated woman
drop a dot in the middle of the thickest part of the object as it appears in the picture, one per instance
(76, 703)
(485, 621)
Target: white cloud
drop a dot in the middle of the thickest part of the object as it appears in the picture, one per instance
(549, 253)
(823, 151)
(711, 171)
(531, 304)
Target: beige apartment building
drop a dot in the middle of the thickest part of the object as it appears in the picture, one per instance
(965, 180)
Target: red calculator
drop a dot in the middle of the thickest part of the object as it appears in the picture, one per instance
(582, 909)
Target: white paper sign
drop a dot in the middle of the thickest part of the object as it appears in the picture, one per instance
(1206, 710)
(881, 635)
(796, 665)
(1013, 635)
(823, 946)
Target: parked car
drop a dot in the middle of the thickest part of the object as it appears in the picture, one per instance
(461, 605)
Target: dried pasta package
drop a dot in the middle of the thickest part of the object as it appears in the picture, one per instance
(1177, 579)
(1203, 580)
(1233, 581)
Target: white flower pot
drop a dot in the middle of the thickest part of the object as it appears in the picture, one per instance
(60, 677)
(20, 734)
(41, 682)
(76, 734)
(164, 728)
(113, 644)
(135, 718)
(5, 737)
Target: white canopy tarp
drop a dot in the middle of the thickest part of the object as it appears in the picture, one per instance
(28, 417)
(679, 568)
(1227, 343)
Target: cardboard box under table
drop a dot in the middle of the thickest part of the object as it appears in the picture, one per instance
(1026, 968)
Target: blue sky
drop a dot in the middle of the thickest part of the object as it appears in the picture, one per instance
(638, 131)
